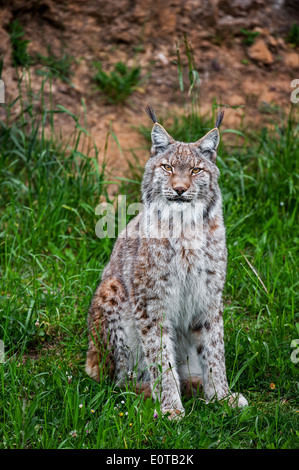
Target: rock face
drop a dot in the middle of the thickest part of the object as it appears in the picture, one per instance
(292, 60)
(259, 51)
(149, 34)
(127, 21)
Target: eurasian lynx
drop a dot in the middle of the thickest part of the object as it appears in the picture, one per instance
(157, 313)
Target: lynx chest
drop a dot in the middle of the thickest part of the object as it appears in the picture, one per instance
(188, 285)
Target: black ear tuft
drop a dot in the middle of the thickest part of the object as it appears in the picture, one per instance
(150, 111)
(219, 119)
(208, 144)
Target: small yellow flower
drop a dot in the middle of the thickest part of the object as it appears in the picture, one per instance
(131, 424)
(272, 386)
(120, 414)
(92, 411)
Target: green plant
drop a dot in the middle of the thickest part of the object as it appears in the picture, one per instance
(249, 36)
(20, 55)
(245, 61)
(193, 75)
(57, 66)
(118, 84)
(293, 36)
(268, 108)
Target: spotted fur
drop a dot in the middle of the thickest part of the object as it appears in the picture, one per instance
(157, 314)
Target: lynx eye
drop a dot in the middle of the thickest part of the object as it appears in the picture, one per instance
(167, 167)
(195, 171)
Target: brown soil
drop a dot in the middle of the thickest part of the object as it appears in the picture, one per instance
(257, 77)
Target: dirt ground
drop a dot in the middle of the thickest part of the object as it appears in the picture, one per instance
(256, 79)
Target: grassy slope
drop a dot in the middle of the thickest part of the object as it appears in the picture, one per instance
(51, 262)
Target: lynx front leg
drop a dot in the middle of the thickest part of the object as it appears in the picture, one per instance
(159, 354)
(210, 348)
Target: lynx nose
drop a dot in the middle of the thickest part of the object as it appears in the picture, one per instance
(180, 190)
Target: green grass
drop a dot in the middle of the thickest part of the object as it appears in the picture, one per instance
(57, 66)
(53, 65)
(20, 55)
(249, 36)
(51, 262)
(116, 86)
(293, 35)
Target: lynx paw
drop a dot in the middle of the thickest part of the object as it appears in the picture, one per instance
(236, 400)
(171, 414)
(174, 414)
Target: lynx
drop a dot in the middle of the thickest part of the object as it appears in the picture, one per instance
(157, 315)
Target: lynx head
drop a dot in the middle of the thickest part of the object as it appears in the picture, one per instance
(181, 173)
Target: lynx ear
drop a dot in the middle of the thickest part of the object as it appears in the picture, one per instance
(160, 139)
(208, 144)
